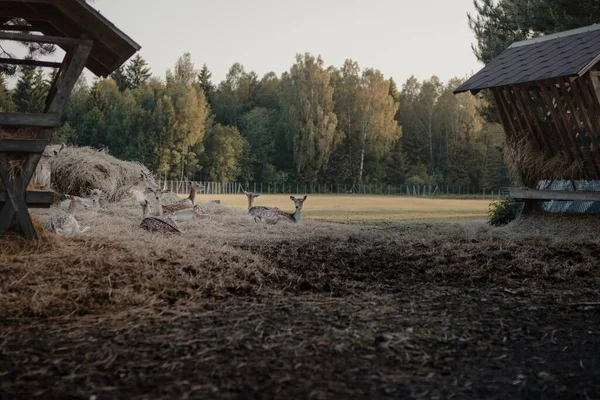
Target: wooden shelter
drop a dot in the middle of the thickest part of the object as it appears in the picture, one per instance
(89, 40)
(547, 93)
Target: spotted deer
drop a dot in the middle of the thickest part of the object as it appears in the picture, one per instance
(296, 216)
(262, 213)
(64, 223)
(155, 223)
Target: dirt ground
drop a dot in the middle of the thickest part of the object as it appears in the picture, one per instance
(233, 310)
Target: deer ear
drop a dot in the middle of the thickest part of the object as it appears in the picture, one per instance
(256, 194)
(293, 198)
(304, 198)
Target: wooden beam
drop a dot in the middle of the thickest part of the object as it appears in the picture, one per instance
(572, 98)
(506, 121)
(28, 15)
(521, 110)
(34, 199)
(555, 119)
(50, 120)
(556, 195)
(15, 208)
(525, 95)
(58, 40)
(75, 63)
(505, 93)
(21, 28)
(34, 63)
(23, 145)
(584, 87)
(571, 133)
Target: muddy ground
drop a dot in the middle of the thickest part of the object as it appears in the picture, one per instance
(384, 313)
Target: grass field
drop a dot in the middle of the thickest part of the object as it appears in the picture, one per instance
(365, 208)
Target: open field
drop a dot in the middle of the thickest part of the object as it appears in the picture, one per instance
(235, 310)
(365, 208)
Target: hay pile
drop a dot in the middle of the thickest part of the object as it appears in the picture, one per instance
(77, 170)
(528, 165)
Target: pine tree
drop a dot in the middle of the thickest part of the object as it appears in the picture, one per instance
(394, 89)
(6, 103)
(30, 92)
(137, 72)
(204, 81)
(121, 78)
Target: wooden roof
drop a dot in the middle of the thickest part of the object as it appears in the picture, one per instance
(74, 19)
(563, 54)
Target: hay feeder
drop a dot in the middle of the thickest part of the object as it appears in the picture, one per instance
(88, 40)
(547, 94)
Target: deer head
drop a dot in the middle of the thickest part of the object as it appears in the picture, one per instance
(157, 195)
(298, 202)
(250, 196)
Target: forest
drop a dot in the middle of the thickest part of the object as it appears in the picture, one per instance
(312, 124)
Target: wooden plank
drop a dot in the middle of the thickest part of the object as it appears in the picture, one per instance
(572, 134)
(556, 195)
(525, 95)
(34, 199)
(506, 121)
(519, 105)
(577, 97)
(68, 78)
(555, 119)
(569, 96)
(28, 15)
(21, 28)
(584, 87)
(35, 63)
(16, 208)
(23, 145)
(504, 92)
(49, 120)
(58, 40)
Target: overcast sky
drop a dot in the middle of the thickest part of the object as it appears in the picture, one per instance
(399, 37)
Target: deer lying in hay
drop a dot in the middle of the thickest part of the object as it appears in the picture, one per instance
(64, 223)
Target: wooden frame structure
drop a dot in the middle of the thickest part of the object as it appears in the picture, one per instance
(89, 40)
(547, 94)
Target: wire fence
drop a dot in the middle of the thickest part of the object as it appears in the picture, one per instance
(184, 187)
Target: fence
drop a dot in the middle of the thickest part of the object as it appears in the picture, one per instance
(183, 187)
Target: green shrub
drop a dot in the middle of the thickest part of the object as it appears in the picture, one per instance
(502, 212)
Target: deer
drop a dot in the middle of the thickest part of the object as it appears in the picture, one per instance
(64, 223)
(155, 223)
(91, 202)
(191, 199)
(262, 213)
(177, 211)
(296, 216)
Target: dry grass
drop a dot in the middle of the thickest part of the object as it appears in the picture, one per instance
(529, 165)
(231, 308)
(366, 208)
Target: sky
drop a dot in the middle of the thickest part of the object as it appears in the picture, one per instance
(399, 37)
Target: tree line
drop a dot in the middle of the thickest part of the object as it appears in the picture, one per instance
(311, 124)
